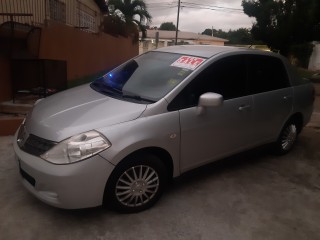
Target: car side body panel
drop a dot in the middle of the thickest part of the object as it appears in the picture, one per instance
(157, 131)
(214, 133)
(271, 111)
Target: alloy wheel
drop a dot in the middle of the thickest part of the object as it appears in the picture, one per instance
(137, 186)
(289, 137)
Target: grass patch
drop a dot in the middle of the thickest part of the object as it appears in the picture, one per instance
(312, 75)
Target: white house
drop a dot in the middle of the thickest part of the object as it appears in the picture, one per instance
(314, 62)
(167, 38)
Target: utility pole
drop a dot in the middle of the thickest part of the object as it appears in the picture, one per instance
(176, 42)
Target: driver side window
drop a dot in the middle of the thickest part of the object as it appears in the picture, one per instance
(226, 76)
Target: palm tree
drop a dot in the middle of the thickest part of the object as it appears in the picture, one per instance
(129, 11)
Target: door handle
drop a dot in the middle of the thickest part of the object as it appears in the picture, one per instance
(244, 107)
(286, 98)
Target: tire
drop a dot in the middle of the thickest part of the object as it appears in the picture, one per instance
(136, 184)
(287, 138)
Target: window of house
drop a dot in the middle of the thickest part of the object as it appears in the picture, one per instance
(86, 20)
(86, 17)
(57, 10)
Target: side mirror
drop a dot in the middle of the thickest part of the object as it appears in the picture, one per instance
(209, 100)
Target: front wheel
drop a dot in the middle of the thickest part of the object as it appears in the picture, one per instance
(287, 138)
(136, 184)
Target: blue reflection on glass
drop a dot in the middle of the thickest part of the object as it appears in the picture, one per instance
(111, 80)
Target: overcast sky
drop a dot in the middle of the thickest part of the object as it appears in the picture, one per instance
(196, 16)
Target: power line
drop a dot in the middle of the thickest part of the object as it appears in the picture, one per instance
(211, 6)
(165, 5)
(186, 4)
(212, 9)
(161, 5)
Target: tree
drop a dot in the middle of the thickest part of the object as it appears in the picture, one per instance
(242, 36)
(239, 36)
(169, 26)
(133, 12)
(287, 26)
(216, 33)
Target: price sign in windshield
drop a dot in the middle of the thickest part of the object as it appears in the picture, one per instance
(188, 62)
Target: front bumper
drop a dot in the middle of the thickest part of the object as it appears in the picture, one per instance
(71, 186)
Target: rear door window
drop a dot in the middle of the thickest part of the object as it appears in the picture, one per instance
(266, 74)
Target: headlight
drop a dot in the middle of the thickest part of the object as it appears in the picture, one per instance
(77, 148)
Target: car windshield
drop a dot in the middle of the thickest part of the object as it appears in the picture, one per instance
(148, 77)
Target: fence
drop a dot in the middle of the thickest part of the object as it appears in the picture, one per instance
(36, 12)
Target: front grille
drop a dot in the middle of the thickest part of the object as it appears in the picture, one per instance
(33, 144)
(36, 145)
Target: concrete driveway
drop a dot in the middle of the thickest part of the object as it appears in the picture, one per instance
(254, 195)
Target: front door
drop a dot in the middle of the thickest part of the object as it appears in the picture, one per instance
(218, 131)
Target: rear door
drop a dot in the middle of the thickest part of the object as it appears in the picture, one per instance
(219, 131)
(272, 96)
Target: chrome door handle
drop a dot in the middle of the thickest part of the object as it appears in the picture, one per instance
(244, 107)
(286, 97)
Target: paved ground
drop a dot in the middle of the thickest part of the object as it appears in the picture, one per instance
(254, 195)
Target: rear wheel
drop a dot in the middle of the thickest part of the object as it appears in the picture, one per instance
(136, 184)
(287, 138)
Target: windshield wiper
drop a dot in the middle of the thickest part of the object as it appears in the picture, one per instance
(138, 98)
(113, 89)
(104, 88)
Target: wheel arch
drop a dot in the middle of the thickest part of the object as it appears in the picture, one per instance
(161, 153)
(298, 119)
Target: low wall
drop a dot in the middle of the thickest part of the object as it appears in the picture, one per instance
(314, 62)
(86, 54)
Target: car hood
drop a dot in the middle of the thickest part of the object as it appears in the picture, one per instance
(78, 110)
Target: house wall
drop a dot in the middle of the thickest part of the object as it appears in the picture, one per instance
(149, 44)
(84, 14)
(91, 4)
(208, 42)
(314, 62)
(86, 54)
(34, 7)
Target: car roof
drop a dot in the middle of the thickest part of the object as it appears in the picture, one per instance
(205, 51)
